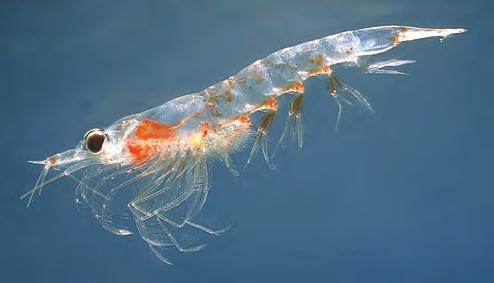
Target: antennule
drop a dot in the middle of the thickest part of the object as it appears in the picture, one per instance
(41, 162)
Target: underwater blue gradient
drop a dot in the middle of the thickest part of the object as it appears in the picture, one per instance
(404, 195)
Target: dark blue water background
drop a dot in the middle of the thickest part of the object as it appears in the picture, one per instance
(405, 195)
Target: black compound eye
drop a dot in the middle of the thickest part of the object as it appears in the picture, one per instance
(94, 140)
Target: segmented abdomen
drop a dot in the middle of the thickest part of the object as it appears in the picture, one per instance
(278, 73)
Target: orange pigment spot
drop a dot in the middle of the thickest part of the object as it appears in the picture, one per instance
(317, 60)
(204, 127)
(140, 151)
(151, 129)
(396, 38)
(147, 135)
(320, 71)
(298, 87)
(295, 87)
(228, 96)
(244, 119)
(271, 103)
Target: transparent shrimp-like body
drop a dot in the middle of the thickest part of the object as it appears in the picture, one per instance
(150, 170)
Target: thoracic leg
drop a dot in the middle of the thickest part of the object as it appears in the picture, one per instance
(176, 243)
(206, 229)
(293, 124)
(260, 140)
(159, 255)
(337, 88)
(195, 225)
(379, 67)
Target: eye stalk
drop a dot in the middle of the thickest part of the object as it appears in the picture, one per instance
(93, 140)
